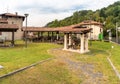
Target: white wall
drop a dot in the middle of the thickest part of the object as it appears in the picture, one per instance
(95, 32)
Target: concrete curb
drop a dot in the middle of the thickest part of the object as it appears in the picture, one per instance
(24, 68)
(115, 70)
(113, 67)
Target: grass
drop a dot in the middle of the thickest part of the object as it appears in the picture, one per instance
(98, 56)
(52, 72)
(56, 71)
(115, 51)
(115, 56)
(19, 56)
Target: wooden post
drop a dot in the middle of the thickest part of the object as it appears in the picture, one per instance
(48, 34)
(12, 38)
(41, 33)
(52, 37)
(38, 34)
(42, 38)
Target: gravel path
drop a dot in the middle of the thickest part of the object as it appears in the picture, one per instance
(83, 70)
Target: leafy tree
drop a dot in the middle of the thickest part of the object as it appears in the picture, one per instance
(110, 15)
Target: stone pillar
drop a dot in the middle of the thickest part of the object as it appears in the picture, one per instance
(52, 37)
(86, 43)
(57, 35)
(70, 39)
(65, 42)
(82, 43)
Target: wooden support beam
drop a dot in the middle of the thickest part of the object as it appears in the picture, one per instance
(86, 43)
(52, 36)
(48, 34)
(41, 33)
(12, 38)
(70, 39)
(38, 34)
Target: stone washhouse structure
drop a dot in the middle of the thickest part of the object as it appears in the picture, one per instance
(11, 28)
(67, 31)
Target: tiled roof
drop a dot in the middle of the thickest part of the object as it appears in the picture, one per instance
(35, 29)
(8, 27)
(60, 29)
(74, 30)
(88, 22)
(78, 28)
(91, 22)
(10, 14)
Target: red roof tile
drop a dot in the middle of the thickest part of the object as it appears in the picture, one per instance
(8, 27)
(60, 29)
(10, 14)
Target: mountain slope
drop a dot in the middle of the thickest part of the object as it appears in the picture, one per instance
(109, 15)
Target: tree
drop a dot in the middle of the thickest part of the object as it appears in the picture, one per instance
(75, 17)
(110, 15)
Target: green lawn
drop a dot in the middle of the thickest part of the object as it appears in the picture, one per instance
(56, 71)
(98, 56)
(17, 57)
(102, 47)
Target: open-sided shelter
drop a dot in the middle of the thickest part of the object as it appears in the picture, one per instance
(67, 31)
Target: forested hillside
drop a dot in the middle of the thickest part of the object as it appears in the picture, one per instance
(109, 16)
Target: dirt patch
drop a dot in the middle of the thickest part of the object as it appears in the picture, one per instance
(84, 71)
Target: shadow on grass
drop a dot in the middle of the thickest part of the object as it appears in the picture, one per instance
(94, 52)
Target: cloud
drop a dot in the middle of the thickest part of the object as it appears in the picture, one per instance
(43, 11)
(49, 9)
(53, 6)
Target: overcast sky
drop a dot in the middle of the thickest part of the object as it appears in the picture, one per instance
(43, 11)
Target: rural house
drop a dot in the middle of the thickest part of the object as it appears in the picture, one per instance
(14, 19)
(97, 28)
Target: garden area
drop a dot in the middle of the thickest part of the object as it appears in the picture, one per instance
(13, 58)
(65, 67)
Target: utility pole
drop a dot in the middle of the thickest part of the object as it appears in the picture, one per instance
(90, 32)
(26, 15)
(116, 32)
